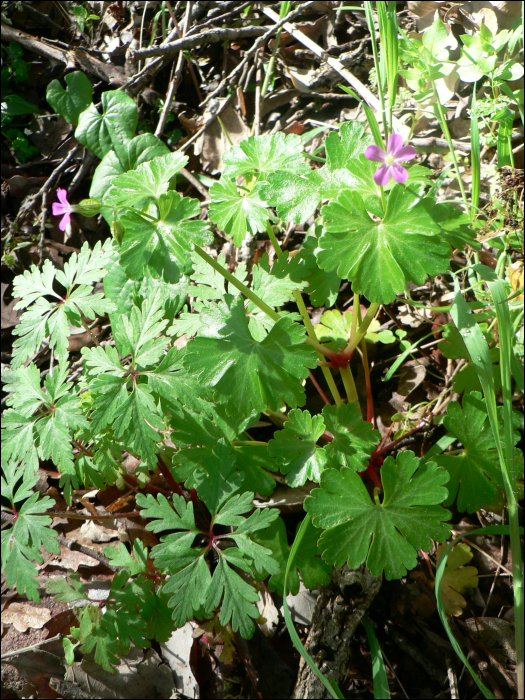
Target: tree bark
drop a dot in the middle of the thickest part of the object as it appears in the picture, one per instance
(338, 611)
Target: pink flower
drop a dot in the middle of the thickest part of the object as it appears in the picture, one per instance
(62, 208)
(395, 152)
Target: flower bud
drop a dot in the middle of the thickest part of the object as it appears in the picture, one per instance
(117, 229)
(87, 207)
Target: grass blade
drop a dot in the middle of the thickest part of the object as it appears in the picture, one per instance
(475, 160)
(387, 17)
(491, 530)
(370, 21)
(381, 689)
(370, 117)
(505, 156)
(479, 352)
(332, 689)
(508, 465)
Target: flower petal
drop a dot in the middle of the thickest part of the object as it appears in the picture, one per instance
(58, 209)
(382, 174)
(405, 153)
(62, 196)
(375, 153)
(395, 142)
(399, 173)
(64, 221)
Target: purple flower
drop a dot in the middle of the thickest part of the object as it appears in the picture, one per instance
(395, 152)
(62, 208)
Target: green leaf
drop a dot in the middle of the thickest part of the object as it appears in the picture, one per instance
(194, 589)
(258, 520)
(14, 106)
(435, 38)
(26, 395)
(116, 125)
(219, 484)
(237, 212)
(354, 439)
(475, 475)
(57, 411)
(350, 142)
(132, 413)
(96, 638)
(67, 590)
(261, 155)
(23, 537)
(297, 196)
(380, 257)
(188, 588)
(126, 293)
(314, 571)
(178, 518)
(161, 248)
(275, 286)
(140, 149)
(205, 433)
(466, 380)
(252, 374)
(18, 443)
(51, 319)
(121, 557)
(296, 450)
(336, 327)
(74, 99)
(141, 335)
(323, 286)
(386, 535)
(235, 597)
(148, 181)
(456, 226)
(122, 397)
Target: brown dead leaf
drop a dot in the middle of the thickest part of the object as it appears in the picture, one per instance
(9, 315)
(212, 144)
(286, 498)
(412, 376)
(495, 633)
(217, 636)
(269, 619)
(72, 559)
(457, 580)
(24, 616)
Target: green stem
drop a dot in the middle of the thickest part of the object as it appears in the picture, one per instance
(355, 311)
(285, 7)
(241, 443)
(349, 384)
(361, 331)
(307, 323)
(224, 130)
(141, 213)
(446, 133)
(238, 285)
(370, 21)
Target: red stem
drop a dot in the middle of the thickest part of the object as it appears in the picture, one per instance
(321, 392)
(381, 450)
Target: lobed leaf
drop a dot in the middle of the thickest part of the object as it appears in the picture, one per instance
(374, 255)
(254, 374)
(387, 535)
(265, 154)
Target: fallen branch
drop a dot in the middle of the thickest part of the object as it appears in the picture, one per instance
(210, 36)
(357, 85)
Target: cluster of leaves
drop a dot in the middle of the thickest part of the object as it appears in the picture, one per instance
(190, 409)
(15, 72)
